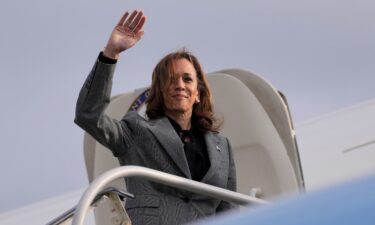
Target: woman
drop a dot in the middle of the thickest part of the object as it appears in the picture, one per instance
(179, 137)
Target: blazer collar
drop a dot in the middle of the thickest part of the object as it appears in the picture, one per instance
(214, 154)
(171, 142)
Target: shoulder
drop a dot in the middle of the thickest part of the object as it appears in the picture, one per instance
(221, 141)
(219, 137)
(133, 120)
(132, 116)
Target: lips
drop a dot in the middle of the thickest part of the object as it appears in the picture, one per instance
(179, 96)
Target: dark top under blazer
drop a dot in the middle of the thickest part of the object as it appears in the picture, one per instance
(153, 144)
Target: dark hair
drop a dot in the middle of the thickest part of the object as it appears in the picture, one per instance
(202, 115)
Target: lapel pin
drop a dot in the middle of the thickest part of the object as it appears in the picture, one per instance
(218, 148)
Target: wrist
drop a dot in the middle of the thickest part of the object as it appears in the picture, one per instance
(104, 59)
(111, 53)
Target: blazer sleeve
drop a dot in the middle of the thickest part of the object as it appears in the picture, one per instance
(93, 99)
(231, 183)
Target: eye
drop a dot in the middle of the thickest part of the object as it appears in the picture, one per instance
(188, 78)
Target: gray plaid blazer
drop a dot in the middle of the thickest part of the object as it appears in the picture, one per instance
(153, 144)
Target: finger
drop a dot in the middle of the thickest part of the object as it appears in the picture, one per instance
(130, 19)
(140, 25)
(123, 18)
(136, 20)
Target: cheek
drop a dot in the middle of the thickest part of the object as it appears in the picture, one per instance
(169, 102)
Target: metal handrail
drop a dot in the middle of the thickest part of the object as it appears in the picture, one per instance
(159, 177)
(69, 213)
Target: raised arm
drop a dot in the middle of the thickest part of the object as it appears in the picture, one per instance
(95, 94)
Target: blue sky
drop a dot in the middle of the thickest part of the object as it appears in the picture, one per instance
(319, 53)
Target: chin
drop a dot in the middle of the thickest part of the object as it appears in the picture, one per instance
(180, 109)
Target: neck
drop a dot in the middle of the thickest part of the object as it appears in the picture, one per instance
(182, 118)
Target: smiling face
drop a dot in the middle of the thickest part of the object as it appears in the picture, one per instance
(181, 92)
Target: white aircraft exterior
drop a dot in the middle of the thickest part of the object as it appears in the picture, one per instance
(338, 146)
(331, 149)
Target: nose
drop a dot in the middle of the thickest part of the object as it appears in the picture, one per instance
(179, 84)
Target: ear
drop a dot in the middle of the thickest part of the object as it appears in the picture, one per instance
(197, 99)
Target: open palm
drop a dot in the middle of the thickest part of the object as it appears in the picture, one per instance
(126, 34)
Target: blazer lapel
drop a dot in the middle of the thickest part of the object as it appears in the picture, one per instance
(171, 142)
(213, 149)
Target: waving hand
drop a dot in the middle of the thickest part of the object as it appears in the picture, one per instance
(126, 34)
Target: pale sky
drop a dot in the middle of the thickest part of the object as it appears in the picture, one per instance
(319, 53)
